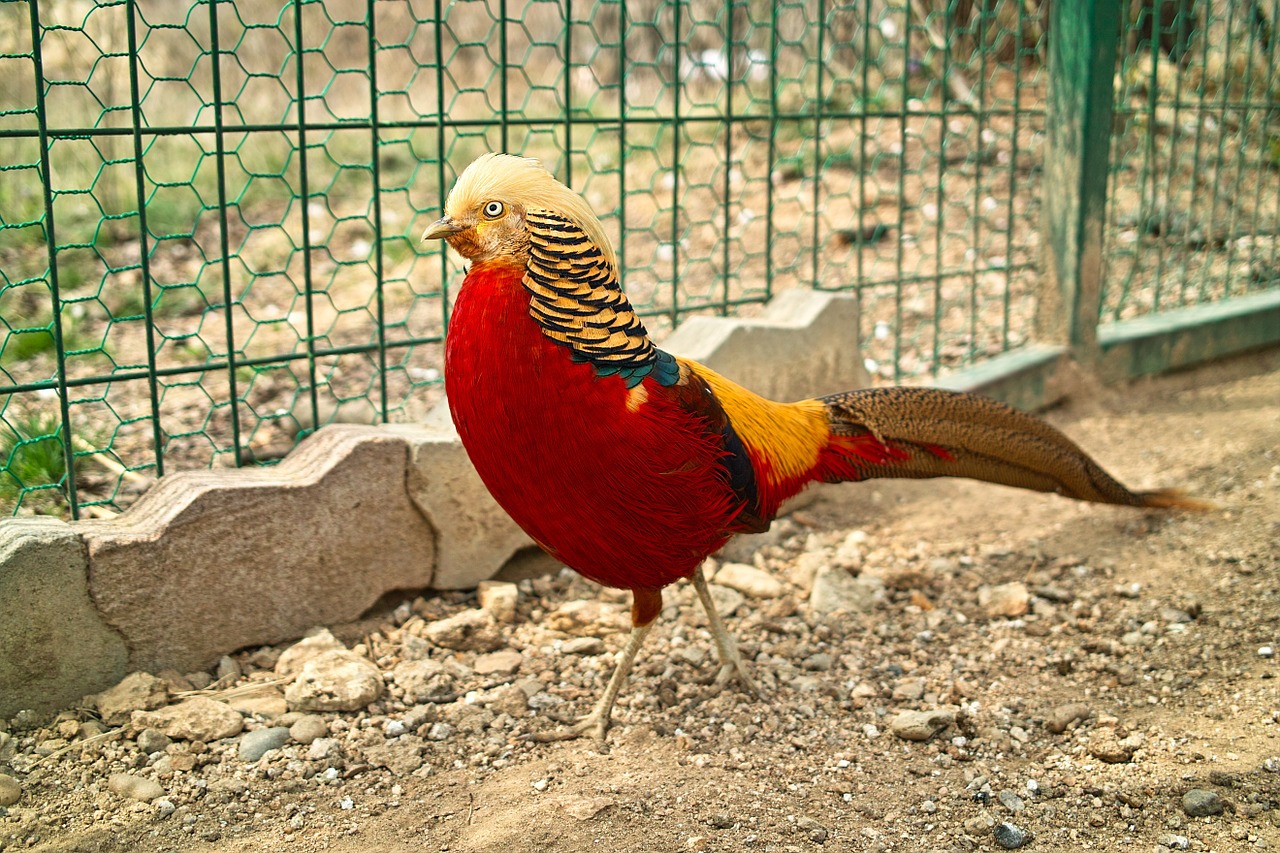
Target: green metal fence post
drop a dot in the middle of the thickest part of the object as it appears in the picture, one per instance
(1083, 40)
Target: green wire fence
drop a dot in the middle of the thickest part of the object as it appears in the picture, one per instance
(209, 213)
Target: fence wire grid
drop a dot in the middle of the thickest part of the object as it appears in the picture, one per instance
(209, 213)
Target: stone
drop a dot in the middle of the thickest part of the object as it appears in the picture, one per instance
(1009, 836)
(582, 618)
(254, 745)
(1063, 716)
(1108, 745)
(292, 659)
(474, 537)
(10, 790)
(335, 681)
(184, 544)
(775, 355)
(1201, 803)
(55, 647)
(921, 725)
(134, 787)
(909, 690)
(805, 567)
(726, 601)
(401, 756)
(1006, 599)
(308, 727)
(470, 630)
(501, 662)
(748, 580)
(835, 589)
(268, 703)
(586, 646)
(152, 740)
(138, 691)
(423, 680)
(199, 718)
(499, 599)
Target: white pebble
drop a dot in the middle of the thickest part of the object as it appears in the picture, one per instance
(1266, 651)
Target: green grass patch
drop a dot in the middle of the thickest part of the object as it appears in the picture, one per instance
(33, 466)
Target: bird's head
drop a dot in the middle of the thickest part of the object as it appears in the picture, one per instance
(484, 217)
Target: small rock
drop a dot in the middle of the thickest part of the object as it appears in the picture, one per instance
(921, 725)
(909, 690)
(748, 580)
(470, 631)
(322, 748)
(721, 820)
(1107, 745)
(152, 740)
(1272, 764)
(1174, 842)
(164, 808)
(308, 727)
(1009, 837)
(1266, 651)
(134, 787)
(726, 601)
(228, 670)
(267, 702)
(199, 718)
(501, 662)
(586, 646)
(499, 599)
(423, 680)
(296, 656)
(401, 757)
(1011, 801)
(1061, 717)
(138, 691)
(335, 681)
(1006, 599)
(10, 790)
(819, 662)
(835, 589)
(1201, 803)
(806, 567)
(587, 618)
(582, 808)
(254, 745)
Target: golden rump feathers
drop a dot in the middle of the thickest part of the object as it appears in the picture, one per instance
(524, 183)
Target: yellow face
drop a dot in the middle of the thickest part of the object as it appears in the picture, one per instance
(484, 217)
(483, 231)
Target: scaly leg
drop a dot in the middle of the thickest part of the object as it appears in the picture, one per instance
(645, 607)
(731, 663)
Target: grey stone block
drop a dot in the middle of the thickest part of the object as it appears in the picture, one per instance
(805, 344)
(54, 647)
(474, 536)
(210, 561)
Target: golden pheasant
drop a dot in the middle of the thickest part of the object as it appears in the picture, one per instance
(631, 465)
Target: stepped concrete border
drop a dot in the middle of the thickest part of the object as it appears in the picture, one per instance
(207, 562)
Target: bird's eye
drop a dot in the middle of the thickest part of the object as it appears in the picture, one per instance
(493, 210)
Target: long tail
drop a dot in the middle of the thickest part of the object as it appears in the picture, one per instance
(929, 432)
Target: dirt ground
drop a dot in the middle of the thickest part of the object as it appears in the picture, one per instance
(1161, 625)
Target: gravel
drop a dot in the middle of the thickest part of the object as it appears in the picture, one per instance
(900, 716)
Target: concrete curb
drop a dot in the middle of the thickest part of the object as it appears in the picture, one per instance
(211, 561)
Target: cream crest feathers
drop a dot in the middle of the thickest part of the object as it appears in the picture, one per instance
(523, 182)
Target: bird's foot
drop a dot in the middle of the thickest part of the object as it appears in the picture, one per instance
(594, 725)
(734, 669)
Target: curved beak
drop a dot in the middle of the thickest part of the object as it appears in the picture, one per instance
(441, 228)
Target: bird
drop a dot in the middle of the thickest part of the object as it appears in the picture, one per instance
(631, 465)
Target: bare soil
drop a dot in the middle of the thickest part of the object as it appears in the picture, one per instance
(1157, 622)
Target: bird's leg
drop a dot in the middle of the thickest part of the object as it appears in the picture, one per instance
(645, 606)
(731, 664)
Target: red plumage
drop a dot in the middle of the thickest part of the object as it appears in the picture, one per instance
(632, 499)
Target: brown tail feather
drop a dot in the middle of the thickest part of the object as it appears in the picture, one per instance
(930, 432)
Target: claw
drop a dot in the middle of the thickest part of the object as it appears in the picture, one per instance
(594, 724)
